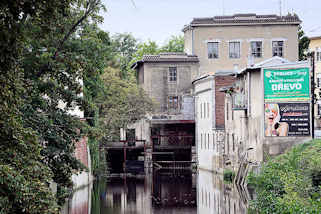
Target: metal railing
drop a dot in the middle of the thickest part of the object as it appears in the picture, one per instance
(173, 141)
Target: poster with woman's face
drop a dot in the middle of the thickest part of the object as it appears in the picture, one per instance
(287, 119)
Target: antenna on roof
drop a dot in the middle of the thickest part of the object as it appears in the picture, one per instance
(280, 5)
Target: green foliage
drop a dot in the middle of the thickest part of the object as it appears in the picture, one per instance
(291, 182)
(43, 56)
(228, 175)
(304, 42)
(174, 44)
(55, 59)
(122, 103)
(124, 46)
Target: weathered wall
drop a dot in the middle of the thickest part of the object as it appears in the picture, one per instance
(205, 140)
(210, 120)
(246, 128)
(82, 153)
(221, 81)
(188, 42)
(315, 44)
(244, 34)
(158, 87)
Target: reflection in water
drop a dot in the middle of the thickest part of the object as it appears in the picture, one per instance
(160, 192)
(80, 202)
(215, 197)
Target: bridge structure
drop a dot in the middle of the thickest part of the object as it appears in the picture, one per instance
(171, 151)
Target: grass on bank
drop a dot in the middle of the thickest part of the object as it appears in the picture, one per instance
(289, 183)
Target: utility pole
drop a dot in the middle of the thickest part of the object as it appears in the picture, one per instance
(312, 55)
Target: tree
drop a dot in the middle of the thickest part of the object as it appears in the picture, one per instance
(24, 178)
(55, 60)
(174, 44)
(304, 42)
(42, 63)
(124, 45)
(122, 103)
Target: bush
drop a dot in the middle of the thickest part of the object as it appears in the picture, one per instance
(290, 183)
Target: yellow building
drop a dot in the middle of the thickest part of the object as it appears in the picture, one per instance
(315, 45)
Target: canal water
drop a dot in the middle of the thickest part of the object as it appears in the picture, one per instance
(160, 192)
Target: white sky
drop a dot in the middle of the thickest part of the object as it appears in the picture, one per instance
(157, 20)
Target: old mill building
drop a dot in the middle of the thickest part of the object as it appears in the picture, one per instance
(191, 109)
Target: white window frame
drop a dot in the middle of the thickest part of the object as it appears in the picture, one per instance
(214, 53)
(172, 76)
(283, 48)
(254, 50)
(237, 55)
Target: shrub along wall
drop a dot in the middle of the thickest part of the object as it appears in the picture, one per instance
(290, 183)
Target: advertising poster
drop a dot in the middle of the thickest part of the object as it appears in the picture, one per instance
(286, 85)
(287, 119)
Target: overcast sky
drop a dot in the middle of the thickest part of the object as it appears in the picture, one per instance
(157, 20)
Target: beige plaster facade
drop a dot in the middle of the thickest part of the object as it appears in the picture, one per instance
(315, 45)
(222, 31)
(242, 28)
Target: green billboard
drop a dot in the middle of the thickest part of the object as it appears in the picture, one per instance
(286, 85)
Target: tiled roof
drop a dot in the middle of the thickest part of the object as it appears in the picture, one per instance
(245, 19)
(170, 57)
(166, 57)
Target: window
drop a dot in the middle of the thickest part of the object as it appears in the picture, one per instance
(319, 109)
(233, 142)
(232, 114)
(213, 142)
(172, 74)
(226, 111)
(173, 102)
(208, 110)
(204, 105)
(208, 141)
(256, 49)
(234, 50)
(201, 140)
(212, 50)
(227, 144)
(277, 48)
(318, 80)
(204, 140)
(318, 54)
